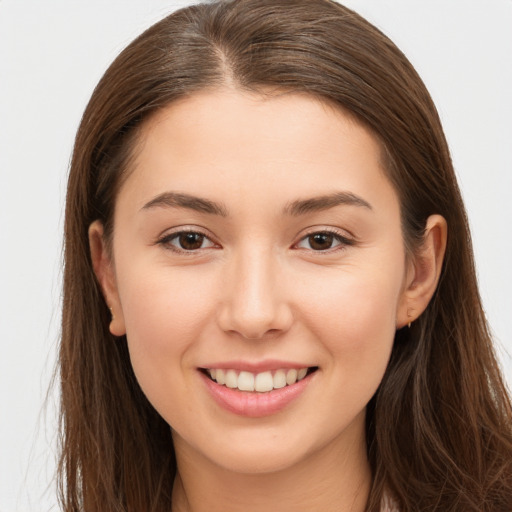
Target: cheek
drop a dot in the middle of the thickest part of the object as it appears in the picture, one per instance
(165, 313)
(354, 316)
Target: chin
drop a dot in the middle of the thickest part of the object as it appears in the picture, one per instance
(258, 461)
(266, 449)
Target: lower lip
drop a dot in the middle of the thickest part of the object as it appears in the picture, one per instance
(254, 404)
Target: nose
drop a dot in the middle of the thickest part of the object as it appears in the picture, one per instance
(253, 300)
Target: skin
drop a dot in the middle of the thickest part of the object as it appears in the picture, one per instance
(257, 289)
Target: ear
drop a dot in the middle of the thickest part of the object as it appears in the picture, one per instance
(423, 272)
(105, 274)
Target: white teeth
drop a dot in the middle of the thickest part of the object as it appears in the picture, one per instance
(231, 379)
(264, 382)
(220, 376)
(302, 373)
(260, 382)
(291, 377)
(279, 379)
(246, 381)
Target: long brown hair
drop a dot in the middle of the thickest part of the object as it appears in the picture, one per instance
(439, 432)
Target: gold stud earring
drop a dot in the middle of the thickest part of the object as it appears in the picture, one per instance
(112, 313)
(410, 311)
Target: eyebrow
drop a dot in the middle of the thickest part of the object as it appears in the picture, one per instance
(180, 200)
(320, 203)
(294, 208)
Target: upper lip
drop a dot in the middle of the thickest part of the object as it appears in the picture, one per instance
(256, 367)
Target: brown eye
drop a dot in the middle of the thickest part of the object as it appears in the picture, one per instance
(323, 241)
(320, 241)
(190, 241)
(187, 241)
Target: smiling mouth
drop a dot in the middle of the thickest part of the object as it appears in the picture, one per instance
(262, 382)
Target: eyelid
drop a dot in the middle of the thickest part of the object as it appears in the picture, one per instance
(169, 234)
(166, 236)
(339, 234)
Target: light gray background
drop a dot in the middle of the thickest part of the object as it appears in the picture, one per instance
(51, 56)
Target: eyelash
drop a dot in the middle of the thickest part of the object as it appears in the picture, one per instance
(166, 241)
(342, 240)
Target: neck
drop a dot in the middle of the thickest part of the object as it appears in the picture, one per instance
(335, 478)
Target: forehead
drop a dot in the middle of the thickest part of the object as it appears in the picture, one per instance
(291, 143)
(258, 118)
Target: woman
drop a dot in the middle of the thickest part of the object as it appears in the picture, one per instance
(269, 295)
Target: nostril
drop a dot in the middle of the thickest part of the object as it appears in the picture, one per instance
(268, 334)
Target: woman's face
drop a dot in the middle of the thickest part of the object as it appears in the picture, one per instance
(258, 238)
